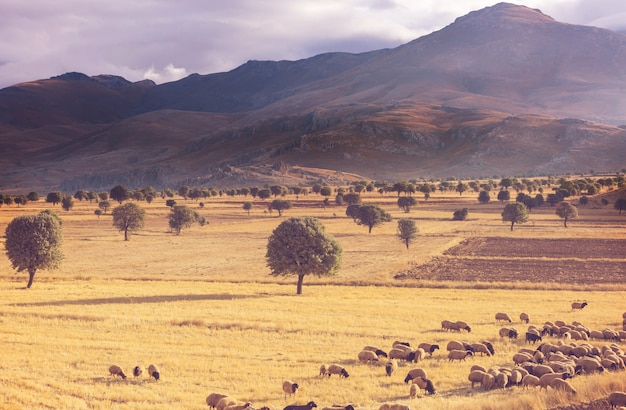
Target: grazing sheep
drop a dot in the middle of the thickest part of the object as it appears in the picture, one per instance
(424, 384)
(153, 371)
(376, 350)
(290, 388)
(225, 402)
(456, 345)
(399, 354)
(458, 355)
(414, 391)
(463, 326)
(307, 406)
(521, 357)
(488, 381)
(400, 343)
(562, 385)
(541, 369)
(524, 317)
(546, 379)
(323, 370)
(516, 377)
(337, 369)
(589, 365)
(394, 406)
(508, 332)
(213, 398)
(481, 348)
(530, 381)
(617, 399)
(579, 305)
(449, 325)
(337, 407)
(413, 373)
(430, 348)
(402, 347)
(137, 371)
(476, 376)
(418, 354)
(533, 338)
(239, 406)
(115, 370)
(391, 367)
(367, 356)
(502, 379)
(489, 346)
(503, 317)
(478, 367)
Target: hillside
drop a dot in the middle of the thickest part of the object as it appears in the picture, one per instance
(505, 90)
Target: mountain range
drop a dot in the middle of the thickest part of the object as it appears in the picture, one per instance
(505, 90)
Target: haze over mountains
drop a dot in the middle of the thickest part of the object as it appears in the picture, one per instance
(505, 90)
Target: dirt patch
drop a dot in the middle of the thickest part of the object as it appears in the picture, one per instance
(578, 261)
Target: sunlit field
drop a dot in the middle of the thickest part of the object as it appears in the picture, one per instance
(204, 308)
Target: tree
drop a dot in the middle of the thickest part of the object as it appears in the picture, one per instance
(181, 216)
(34, 242)
(280, 205)
(352, 198)
(184, 191)
(33, 196)
(584, 200)
(406, 202)
(371, 216)
(301, 246)
(67, 203)
(407, 231)
(104, 205)
(326, 191)
(278, 190)
(506, 183)
(460, 214)
(504, 196)
(264, 193)
(620, 204)
(54, 198)
(119, 193)
(515, 212)
(353, 211)
(80, 195)
(98, 212)
(461, 187)
(566, 211)
(170, 202)
(247, 206)
(129, 217)
(484, 197)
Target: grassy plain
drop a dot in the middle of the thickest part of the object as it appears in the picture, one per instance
(203, 307)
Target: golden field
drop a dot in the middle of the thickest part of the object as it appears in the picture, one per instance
(203, 307)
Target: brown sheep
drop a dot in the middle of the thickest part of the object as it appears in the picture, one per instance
(430, 348)
(503, 317)
(501, 380)
(461, 325)
(524, 317)
(449, 325)
(338, 370)
(476, 376)
(546, 379)
(530, 381)
(394, 406)
(617, 399)
(153, 371)
(115, 370)
(213, 398)
(290, 388)
(458, 355)
(391, 367)
(562, 385)
(324, 370)
(480, 348)
(488, 381)
(225, 402)
(367, 356)
(424, 384)
(413, 373)
(579, 305)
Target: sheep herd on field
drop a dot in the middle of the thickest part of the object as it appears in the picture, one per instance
(544, 364)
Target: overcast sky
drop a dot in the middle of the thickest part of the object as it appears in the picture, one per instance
(165, 40)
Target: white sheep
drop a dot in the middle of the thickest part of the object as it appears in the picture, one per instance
(503, 317)
(449, 325)
(524, 317)
(398, 354)
(458, 355)
(225, 402)
(428, 347)
(376, 350)
(530, 381)
(338, 370)
(391, 367)
(617, 399)
(562, 385)
(501, 380)
(579, 305)
(367, 356)
(476, 376)
(546, 379)
(419, 354)
(488, 381)
(480, 348)
(290, 388)
(521, 357)
(153, 371)
(516, 376)
(213, 398)
(461, 325)
(589, 365)
(541, 369)
(239, 406)
(414, 391)
(116, 370)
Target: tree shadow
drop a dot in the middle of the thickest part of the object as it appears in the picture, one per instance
(139, 299)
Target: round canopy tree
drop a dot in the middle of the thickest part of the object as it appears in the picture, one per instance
(515, 212)
(566, 211)
(34, 242)
(128, 217)
(301, 246)
(407, 231)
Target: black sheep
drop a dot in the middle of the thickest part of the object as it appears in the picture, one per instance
(307, 406)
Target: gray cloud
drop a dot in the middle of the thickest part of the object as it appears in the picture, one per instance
(165, 40)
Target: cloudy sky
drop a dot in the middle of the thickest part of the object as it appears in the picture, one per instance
(165, 40)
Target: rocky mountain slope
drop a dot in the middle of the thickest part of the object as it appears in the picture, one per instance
(505, 90)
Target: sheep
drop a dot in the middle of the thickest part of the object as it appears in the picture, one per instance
(399, 354)
(458, 355)
(376, 350)
(391, 367)
(524, 317)
(503, 317)
(579, 305)
(137, 371)
(414, 391)
(489, 346)
(115, 370)
(476, 376)
(290, 388)
(153, 371)
(394, 406)
(337, 369)
(213, 398)
(323, 370)
(563, 385)
(477, 367)
(400, 343)
(546, 379)
(367, 356)
(448, 325)
(589, 365)
(430, 348)
(424, 384)
(481, 348)
(502, 379)
(617, 399)
(541, 369)
(225, 402)
(511, 333)
(456, 345)
(239, 406)
(533, 338)
(337, 407)
(530, 381)
(418, 354)
(463, 326)
(520, 357)
(516, 377)
(488, 381)
(413, 373)
(307, 406)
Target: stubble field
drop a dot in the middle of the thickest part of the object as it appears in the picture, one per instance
(203, 307)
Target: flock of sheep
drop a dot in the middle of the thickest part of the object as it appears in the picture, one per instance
(549, 365)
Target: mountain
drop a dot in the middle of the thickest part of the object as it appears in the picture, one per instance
(505, 90)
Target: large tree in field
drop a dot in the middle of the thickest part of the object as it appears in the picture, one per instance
(129, 217)
(119, 193)
(280, 205)
(484, 197)
(407, 231)
(406, 202)
(34, 242)
(181, 216)
(301, 246)
(515, 212)
(566, 211)
(54, 197)
(371, 216)
(620, 205)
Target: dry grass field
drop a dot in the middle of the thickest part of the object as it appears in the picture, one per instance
(203, 307)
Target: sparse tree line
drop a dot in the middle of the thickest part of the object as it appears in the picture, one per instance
(299, 246)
